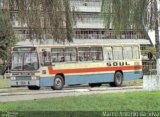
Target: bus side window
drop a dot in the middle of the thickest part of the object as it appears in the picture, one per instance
(80, 58)
(45, 58)
(127, 52)
(70, 54)
(117, 53)
(136, 54)
(96, 53)
(84, 54)
(107, 53)
(57, 55)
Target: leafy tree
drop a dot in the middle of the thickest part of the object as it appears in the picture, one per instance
(45, 18)
(7, 38)
(132, 14)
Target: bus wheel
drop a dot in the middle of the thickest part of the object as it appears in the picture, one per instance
(95, 84)
(118, 79)
(58, 83)
(33, 87)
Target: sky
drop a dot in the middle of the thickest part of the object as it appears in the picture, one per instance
(152, 36)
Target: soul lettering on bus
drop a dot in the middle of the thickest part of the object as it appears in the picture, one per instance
(117, 64)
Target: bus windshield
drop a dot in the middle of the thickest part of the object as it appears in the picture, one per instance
(25, 61)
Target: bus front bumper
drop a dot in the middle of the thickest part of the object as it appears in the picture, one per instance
(24, 82)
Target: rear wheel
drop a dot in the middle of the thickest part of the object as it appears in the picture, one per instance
(118, 79)
(58, 83)
(95, 84)
(33, 87)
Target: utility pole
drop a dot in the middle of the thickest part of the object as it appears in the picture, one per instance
(156, 6)
(157, 9)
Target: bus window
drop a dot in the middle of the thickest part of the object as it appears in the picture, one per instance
(45, 58)
(70, 54)
(30, 61)
(96, 53)
(57, 55)
(117, 53)
(135, 52)
(84, 54)
(127, 52)
(108, 53)
(17, 61)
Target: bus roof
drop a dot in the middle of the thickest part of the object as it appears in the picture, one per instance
(76, 42)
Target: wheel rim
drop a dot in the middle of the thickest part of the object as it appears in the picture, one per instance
(58, 82)
(119, 78)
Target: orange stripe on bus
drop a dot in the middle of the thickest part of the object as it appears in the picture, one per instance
(97, 69)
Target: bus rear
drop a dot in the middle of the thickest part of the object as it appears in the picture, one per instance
(25, 67)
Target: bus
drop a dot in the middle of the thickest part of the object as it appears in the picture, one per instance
(59, 65)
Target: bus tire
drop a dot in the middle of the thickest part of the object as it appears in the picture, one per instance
(33, 87)
(118, 79)
(58, 83)
(95, 84)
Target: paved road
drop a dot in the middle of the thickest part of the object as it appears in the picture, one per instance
(24, 94)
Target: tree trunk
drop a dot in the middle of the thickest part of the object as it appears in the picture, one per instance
(157, 37)
(156, 30)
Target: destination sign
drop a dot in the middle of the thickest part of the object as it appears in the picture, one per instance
(24, 49)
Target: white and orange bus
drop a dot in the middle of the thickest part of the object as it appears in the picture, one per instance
(90, 63)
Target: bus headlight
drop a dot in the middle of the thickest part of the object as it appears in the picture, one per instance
(13, 78)
(34, 78)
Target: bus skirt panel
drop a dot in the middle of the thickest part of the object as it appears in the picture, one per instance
(90, 78)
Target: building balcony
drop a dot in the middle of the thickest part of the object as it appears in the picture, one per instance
(86, 6)
(86, 9)
(89, 25)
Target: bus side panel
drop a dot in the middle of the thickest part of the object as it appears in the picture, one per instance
(91, 78)
(99, 78)
(46, 81)
(132, 75)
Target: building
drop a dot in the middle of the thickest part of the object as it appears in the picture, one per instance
(89, 25)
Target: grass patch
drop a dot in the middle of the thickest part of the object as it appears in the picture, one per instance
(134, 101)
(138, 82)
(4, 83)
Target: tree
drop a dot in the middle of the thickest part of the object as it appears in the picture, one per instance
(123, 14)
(132, 14)
(7, 38)
(52, 18)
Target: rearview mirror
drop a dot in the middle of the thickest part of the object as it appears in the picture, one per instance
(44, 53)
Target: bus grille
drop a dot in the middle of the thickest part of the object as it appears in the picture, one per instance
(23, 78)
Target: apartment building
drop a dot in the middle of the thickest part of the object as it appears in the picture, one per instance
(89, 24)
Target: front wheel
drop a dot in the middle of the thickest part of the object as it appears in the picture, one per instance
(58, 83)
(118, 79)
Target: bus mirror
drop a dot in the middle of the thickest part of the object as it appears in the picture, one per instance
(44, 53)
(150, 55)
